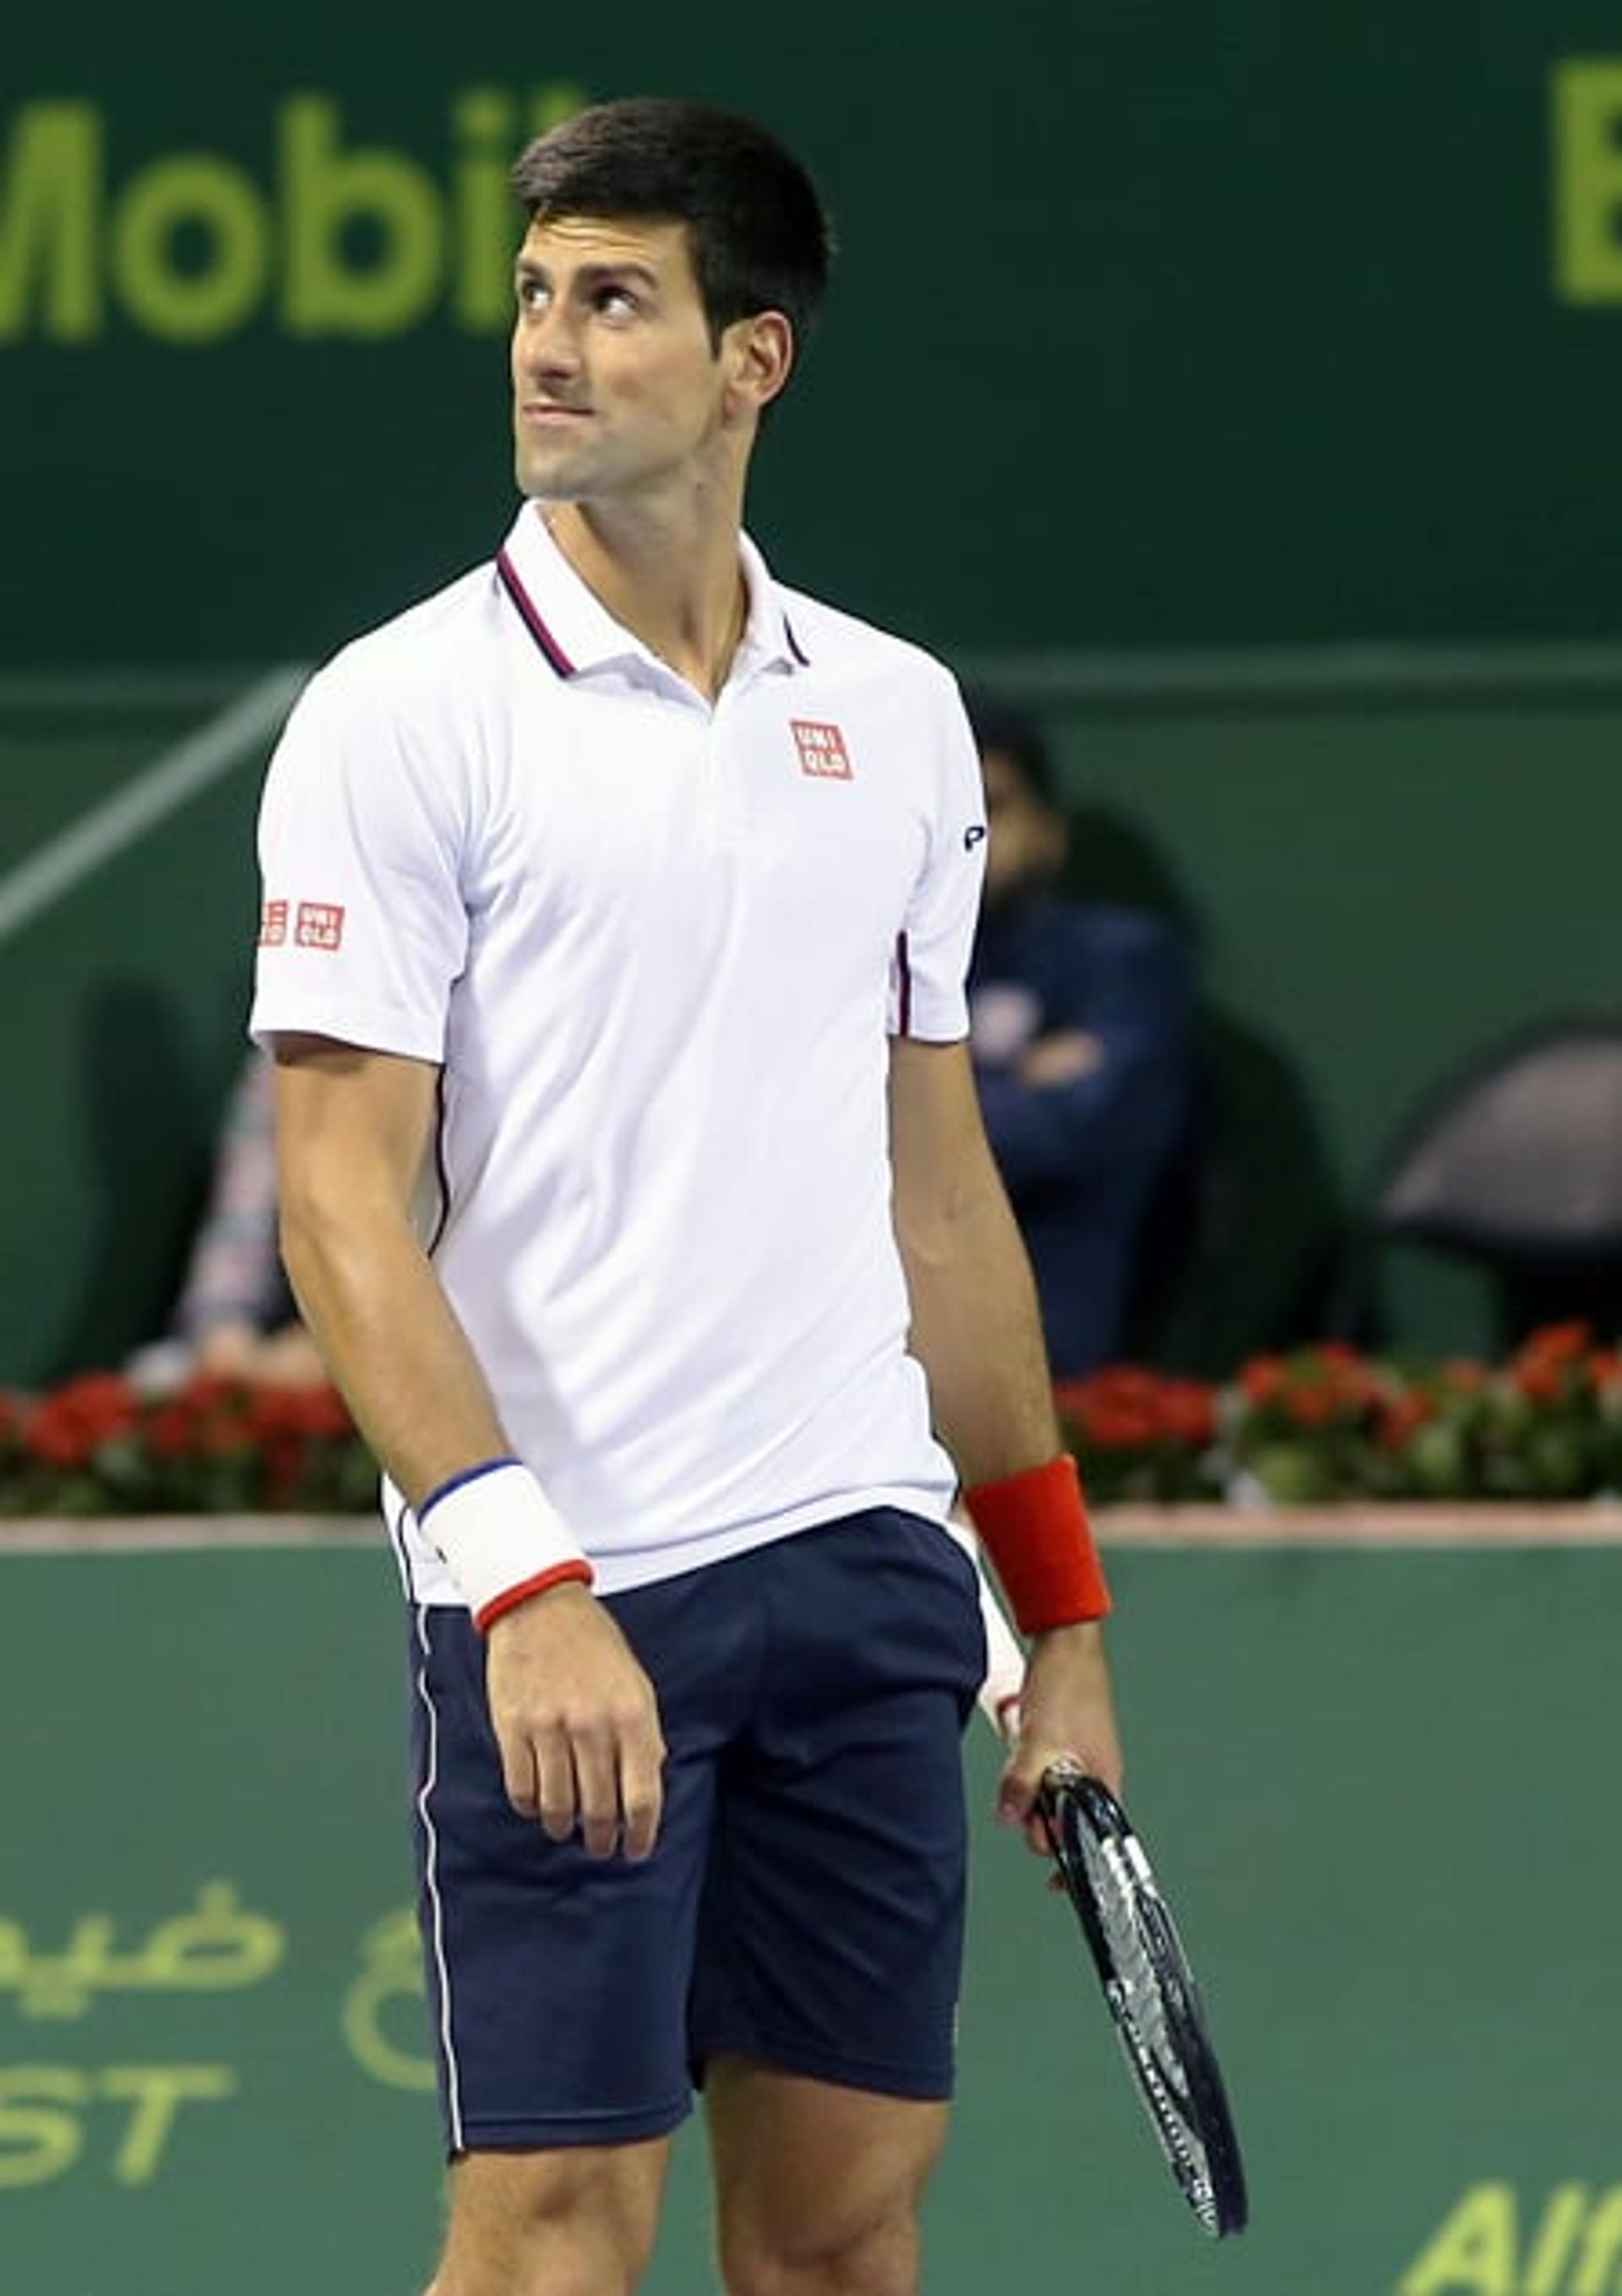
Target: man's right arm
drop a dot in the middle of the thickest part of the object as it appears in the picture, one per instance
(352, 1128)
(573, 1712)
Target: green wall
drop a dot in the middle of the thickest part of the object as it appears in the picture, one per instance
(1378, 1788)
(1153, 325)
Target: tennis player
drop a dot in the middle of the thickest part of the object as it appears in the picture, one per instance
(617, 903)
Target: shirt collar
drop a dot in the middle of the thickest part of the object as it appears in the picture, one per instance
(576, 633)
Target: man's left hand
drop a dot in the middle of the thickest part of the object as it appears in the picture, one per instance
(1067, 1713)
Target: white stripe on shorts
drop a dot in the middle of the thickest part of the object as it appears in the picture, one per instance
(430, 1880)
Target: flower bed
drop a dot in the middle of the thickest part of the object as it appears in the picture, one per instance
(1321, 1425)
(99, 1446)
(1325, 1423)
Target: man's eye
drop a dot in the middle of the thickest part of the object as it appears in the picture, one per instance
(615, 301)
(531, 294)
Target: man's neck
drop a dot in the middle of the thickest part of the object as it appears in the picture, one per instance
(677, 583)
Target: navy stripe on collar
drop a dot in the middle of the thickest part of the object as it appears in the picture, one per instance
(531, 616)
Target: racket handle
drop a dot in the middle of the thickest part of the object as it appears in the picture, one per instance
(999, 1694)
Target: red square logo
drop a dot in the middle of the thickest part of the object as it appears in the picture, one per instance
(821, 749)
(273, 924)
(319, 925)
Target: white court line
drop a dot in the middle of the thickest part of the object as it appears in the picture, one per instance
(166, 784)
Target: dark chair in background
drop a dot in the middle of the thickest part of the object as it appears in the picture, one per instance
(1514, 1164)
(1242, 1238)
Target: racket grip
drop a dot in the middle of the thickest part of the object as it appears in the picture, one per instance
(999, 1694)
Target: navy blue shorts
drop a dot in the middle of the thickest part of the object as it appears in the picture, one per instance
(804, 1904)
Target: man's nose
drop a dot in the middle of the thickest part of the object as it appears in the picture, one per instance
(549, 343)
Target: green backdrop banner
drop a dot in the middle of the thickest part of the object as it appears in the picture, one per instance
(1379, 1786)
(1168, 325)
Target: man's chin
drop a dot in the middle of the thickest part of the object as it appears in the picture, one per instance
(541, 480)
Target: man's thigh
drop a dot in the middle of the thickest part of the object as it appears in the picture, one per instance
(576, 2220)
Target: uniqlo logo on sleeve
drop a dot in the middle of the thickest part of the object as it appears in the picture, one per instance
(319, 925)
(273, 924)
(821, 749)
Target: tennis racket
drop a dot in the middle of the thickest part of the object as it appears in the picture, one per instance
(1150, 1992)
(1148, 1984)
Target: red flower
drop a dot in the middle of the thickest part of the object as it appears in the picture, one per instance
(1115, 1422)
(1462, 1378)
(311, 1414)
(213, 1391)
(169, 1431)
(1311, 1406)
(216, 1435)
(1402, 1415)
(1124, 1408)
(325, 1415)
(1188, 1412)
(1350, 1379)
(1540, 1381)
(1545, 1365)
(1262, 1380)
(68, 1428)
(1558, 1344)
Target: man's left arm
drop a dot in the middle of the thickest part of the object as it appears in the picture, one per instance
(976, 1329)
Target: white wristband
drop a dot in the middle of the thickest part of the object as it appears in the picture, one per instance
(496, 1529)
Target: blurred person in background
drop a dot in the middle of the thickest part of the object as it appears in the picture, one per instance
(236, 1317)
(1082, 1031)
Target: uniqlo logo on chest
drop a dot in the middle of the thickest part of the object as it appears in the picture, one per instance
(319, 925)
(821, 749)
(273, 924)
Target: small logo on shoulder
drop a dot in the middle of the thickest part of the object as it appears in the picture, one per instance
(273, 924)
(821, 749)
(319, 925)
(973, 835)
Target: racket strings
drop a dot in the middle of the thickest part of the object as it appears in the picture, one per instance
(1117, 1895)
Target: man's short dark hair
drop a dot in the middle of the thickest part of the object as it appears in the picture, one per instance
(760, 236)
(1013, 732)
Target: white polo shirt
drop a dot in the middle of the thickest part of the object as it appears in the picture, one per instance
(658, 948)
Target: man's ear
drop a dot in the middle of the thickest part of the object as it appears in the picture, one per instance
(760, 351)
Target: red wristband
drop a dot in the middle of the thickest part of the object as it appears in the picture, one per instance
(511, 1598)
(1033, 1526)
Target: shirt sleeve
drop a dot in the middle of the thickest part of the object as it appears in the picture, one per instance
(364, 929)
(928, 999)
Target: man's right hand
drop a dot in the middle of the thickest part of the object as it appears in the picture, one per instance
(577, 1723)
